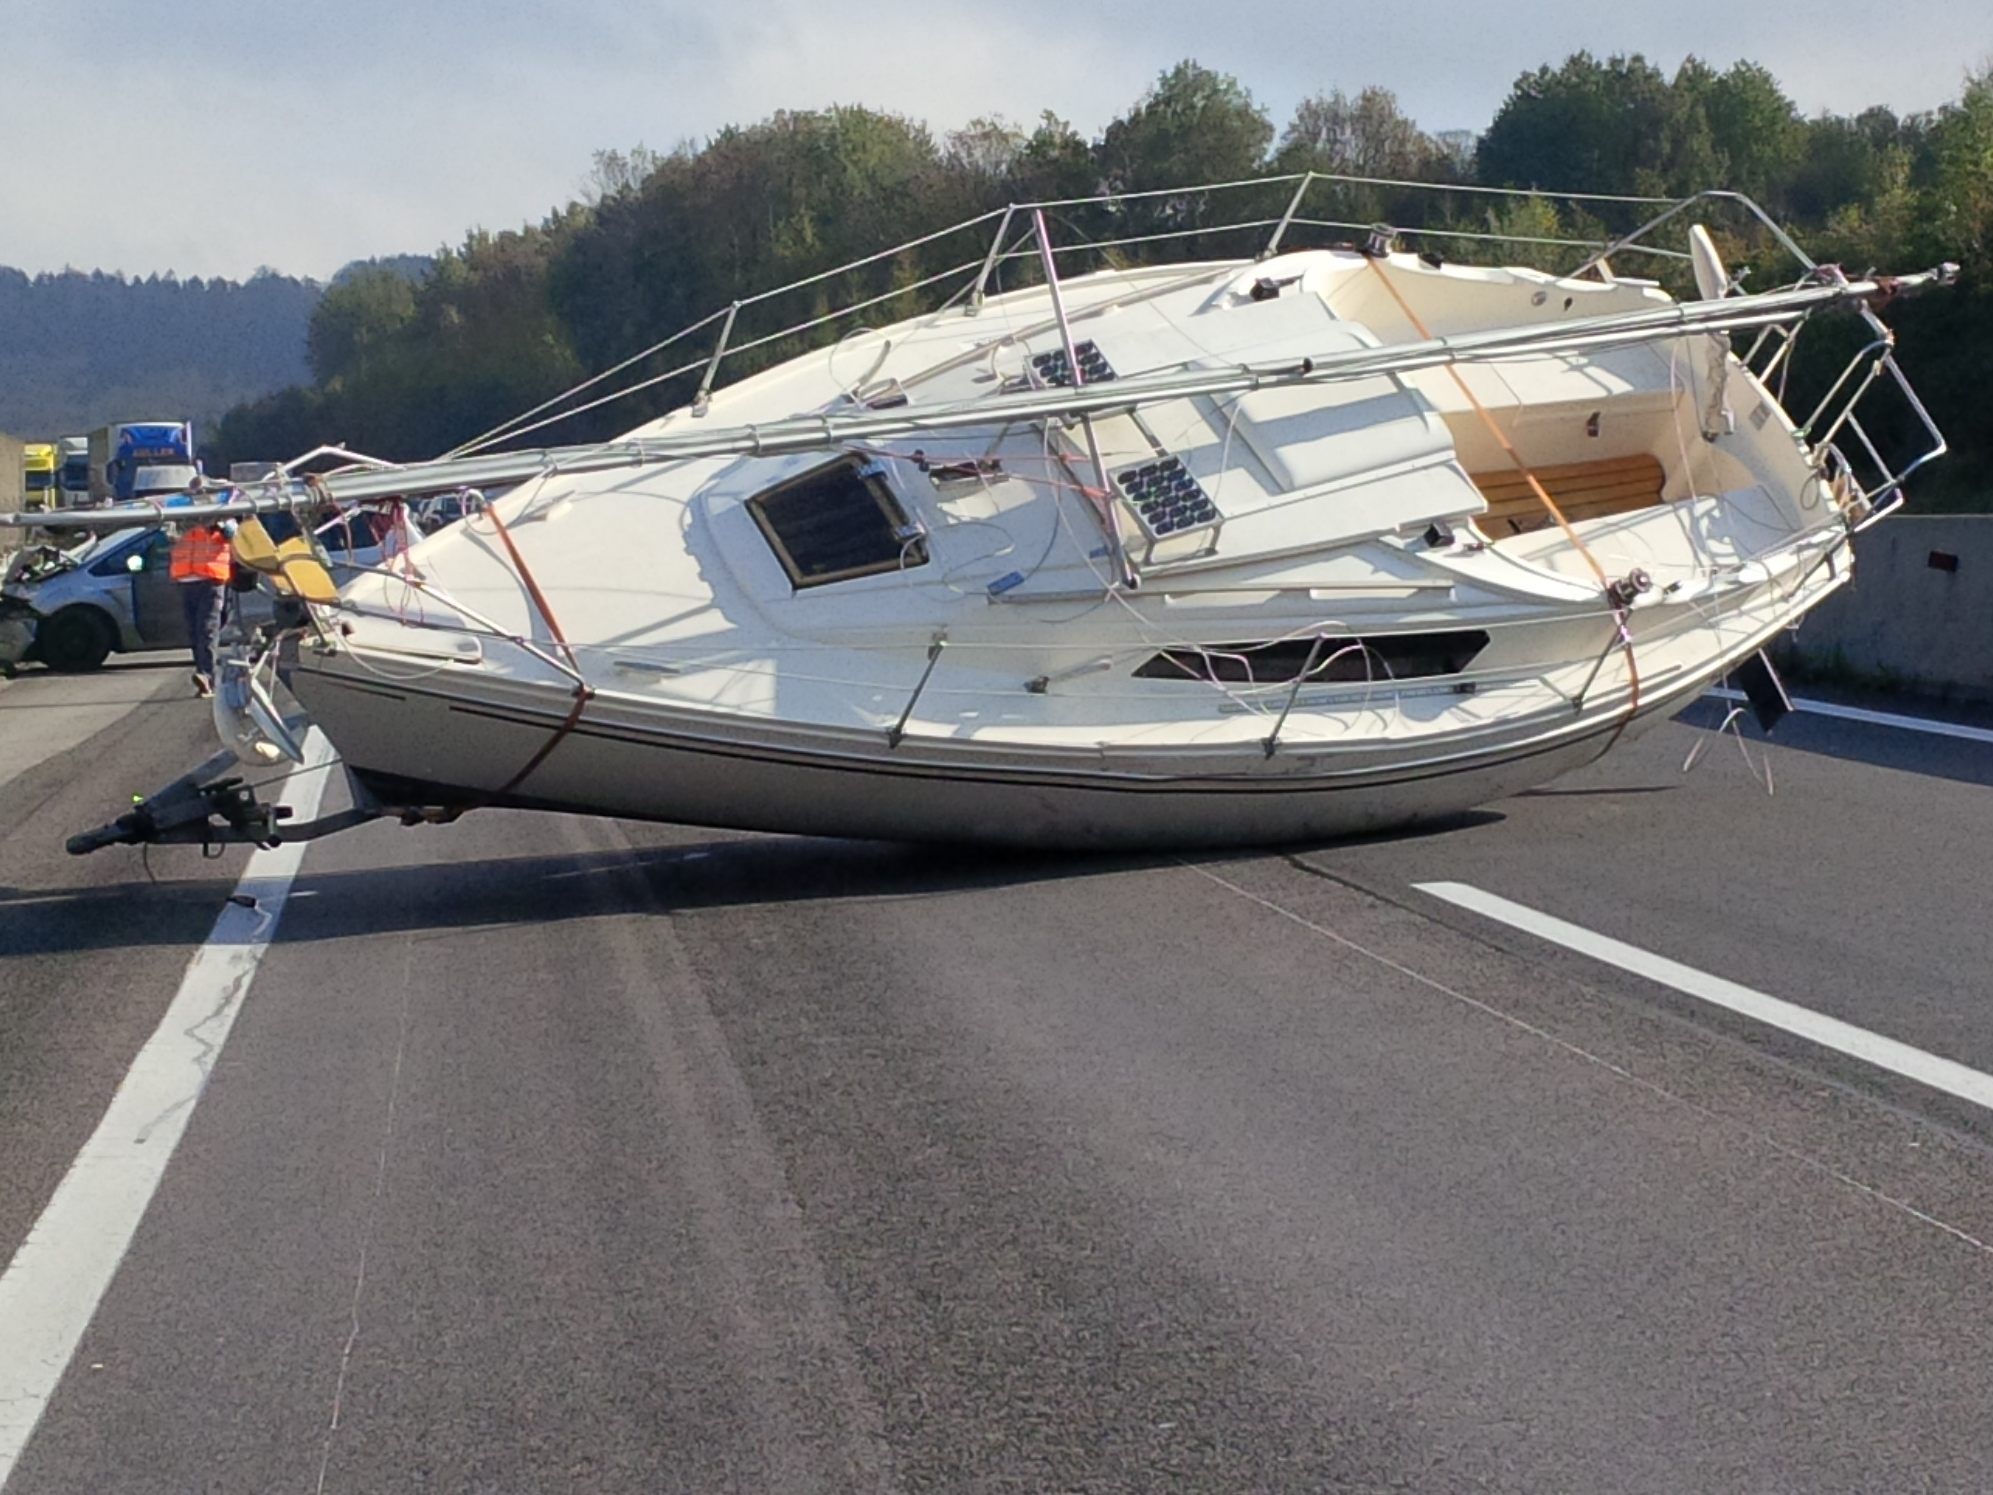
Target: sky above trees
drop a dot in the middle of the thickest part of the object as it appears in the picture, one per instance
(216, 136)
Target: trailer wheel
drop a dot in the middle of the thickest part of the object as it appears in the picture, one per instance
(75, 639)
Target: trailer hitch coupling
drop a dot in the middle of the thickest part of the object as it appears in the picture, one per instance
(202, 809)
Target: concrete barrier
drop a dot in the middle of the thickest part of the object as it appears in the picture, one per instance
(1918, 616)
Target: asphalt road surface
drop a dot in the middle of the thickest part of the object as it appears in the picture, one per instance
(554, 1154)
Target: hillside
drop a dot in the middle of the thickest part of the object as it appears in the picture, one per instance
(78, 349)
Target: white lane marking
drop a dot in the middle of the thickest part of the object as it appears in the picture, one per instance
(1715, 1118)
(50, 1290)
(1939, 1073)
(1923, 724)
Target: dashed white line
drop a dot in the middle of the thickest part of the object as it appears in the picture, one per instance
(1947, 1075)
(50, 1290)
(1930, 726)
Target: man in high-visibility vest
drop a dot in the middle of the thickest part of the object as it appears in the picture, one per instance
(201, 565)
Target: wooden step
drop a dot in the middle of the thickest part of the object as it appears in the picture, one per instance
(1582, 490)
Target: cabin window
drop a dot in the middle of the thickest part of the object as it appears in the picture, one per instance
(838, 522)
(1394, 656)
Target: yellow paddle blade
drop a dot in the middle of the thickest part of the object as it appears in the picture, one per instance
(294, 567)
(254, 548)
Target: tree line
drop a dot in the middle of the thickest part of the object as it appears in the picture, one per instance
(408, 365)
(78, 349)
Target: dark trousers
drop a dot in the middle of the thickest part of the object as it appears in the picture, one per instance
(200, 605)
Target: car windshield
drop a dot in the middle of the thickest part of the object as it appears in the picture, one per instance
(100, 545)
(101, 548)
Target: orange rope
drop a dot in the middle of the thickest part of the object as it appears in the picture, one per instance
(583, 692)
(1543, 496)
(532, 586)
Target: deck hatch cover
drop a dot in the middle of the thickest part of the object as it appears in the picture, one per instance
(1390, 656)
(837, 522)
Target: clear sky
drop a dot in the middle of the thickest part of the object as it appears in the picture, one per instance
(213, 136)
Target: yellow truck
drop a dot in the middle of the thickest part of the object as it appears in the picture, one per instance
(41, 461)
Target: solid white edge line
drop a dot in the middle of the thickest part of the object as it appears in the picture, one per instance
(1923, 724)
(50, 1290)
(1947, 1075)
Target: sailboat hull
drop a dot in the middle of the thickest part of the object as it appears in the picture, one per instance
(408, 744)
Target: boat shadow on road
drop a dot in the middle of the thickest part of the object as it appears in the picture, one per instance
(686, 878)
(1951, 758)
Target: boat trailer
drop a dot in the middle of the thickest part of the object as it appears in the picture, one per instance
(210, 807)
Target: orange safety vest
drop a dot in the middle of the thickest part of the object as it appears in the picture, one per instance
(202, 554)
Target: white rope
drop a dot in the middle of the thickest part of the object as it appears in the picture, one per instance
(504, 429)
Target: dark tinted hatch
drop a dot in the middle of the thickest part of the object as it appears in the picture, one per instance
(837, 522)
(1391, 656)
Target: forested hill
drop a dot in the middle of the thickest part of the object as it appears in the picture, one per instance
(81, 348)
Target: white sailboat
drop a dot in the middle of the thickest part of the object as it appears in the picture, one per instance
(1263, 549)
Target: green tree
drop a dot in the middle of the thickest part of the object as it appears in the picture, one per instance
(616, 173)
(1612, 126)
(985, 151)
(1193, 126)
(1055, 161)
(1754, 127)
(1961, 152)
(1845, 161)
(759, 207)
(357, 319)
(1367, 136)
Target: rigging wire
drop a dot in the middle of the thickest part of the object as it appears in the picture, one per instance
(584, 692)
(504, 431)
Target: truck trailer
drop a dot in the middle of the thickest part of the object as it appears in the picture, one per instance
(141, 459)
(39, 462)
(72, 478)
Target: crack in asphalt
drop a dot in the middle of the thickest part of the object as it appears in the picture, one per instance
(373, 1218)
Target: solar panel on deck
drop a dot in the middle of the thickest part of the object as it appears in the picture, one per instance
(1055, 368)
(1166, 497)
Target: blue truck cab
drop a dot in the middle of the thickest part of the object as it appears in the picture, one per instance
(151, 457)
(141, 459)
